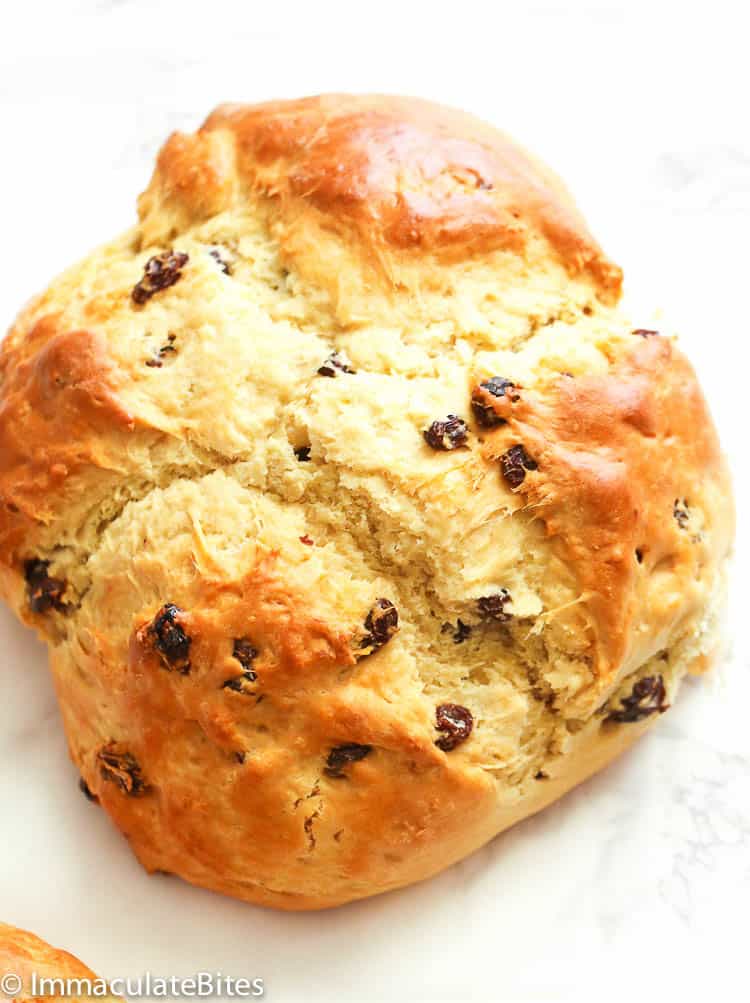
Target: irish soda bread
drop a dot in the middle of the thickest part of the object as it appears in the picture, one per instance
(359, 520)
(25, 961)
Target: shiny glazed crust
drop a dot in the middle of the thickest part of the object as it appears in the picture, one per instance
(284, 534)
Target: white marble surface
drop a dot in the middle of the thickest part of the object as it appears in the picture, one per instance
(637, 884)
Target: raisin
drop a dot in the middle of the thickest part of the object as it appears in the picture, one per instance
(639, 555)
(44, 592)
(647, 697)
(498, 386)
(224, 265)
(681, 512)
(84, 788)
(483, 410)
(381, 624)
(644, 332)
(455, 722)
(302, 453)
(169, 638)
(242, 684)
(342, 755)
(245, 654)
(121, 768)
(336, 363)
(307, 540)
(160, 272)
(450, 433)
(460, 632)
(514, 464)
(158, 360)
(541, 775)
(493, 607)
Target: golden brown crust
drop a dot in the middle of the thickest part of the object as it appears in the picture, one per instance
(266, 823)
(297, 819)
(391, 174)
(24, 954)
(617, 455)
(58, 396)
(207, 510)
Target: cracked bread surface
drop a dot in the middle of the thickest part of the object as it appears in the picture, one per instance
(304, 652)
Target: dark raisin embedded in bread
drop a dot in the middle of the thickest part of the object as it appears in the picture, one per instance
(121, 768)
(169, 638)
(244, 652)
(447, 433)
(681, 512)
(157, 361)
(342, 755)
(455, 722)
(381, 623)
(481, 405)
(458, 631)
(160, 272)
(45, 593)
(493, 607)
(647, 697)
(463, 632)
(336, 363)
(514, 463)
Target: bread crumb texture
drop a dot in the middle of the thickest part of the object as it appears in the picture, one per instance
(351, 504)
